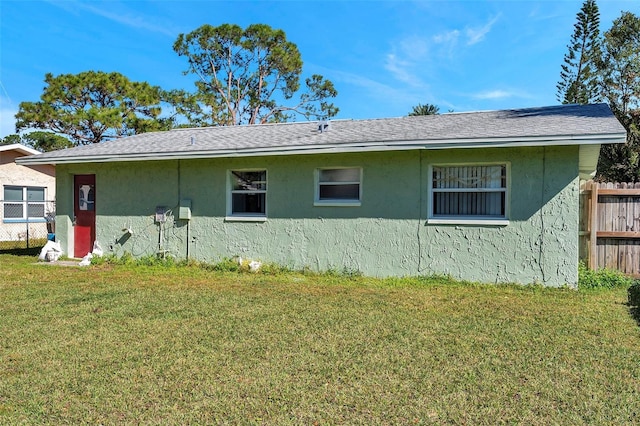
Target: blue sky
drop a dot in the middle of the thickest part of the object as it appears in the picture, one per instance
(384, 57)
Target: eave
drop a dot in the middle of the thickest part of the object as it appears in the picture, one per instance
(370, 146)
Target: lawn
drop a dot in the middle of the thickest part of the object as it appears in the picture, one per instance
(183, 345)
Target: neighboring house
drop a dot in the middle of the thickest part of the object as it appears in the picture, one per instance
(27, 195)
(486, 196)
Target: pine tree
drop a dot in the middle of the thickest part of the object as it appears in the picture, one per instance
(620, 84)
(428, 109)
(578, 78)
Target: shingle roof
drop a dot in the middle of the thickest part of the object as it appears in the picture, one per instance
(555, 125)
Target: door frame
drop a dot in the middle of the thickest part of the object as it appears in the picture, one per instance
(85, 230)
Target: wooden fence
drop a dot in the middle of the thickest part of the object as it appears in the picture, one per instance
(610, 226)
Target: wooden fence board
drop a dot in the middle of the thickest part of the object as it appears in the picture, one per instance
(610, 226)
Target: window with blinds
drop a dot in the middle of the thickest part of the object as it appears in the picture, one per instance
(248, 192)
(338, 186)
(469, 191)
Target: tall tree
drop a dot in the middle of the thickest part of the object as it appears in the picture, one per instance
(247, 76)
(46, 141)
(11, 139)
(94, 106)
(428, 109)
(578, 77)
(619, 70)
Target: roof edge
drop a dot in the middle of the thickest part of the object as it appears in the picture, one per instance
(19, 147)
(598, 139)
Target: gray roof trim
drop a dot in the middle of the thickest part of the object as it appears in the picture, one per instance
(339, 148)
(555, 125)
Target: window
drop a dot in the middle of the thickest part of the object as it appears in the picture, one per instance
(469, 192)
(248, 193)
(338, 186)
(23, 203)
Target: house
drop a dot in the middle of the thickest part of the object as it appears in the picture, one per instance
(487, 196)
(27, 191)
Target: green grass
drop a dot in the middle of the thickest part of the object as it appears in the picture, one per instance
(122, 344)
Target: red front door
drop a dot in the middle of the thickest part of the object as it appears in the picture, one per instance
(84, 210)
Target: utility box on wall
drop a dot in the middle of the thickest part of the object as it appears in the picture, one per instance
(184, 212)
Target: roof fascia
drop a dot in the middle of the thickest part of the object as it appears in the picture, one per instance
(440, 144)
(19, 147)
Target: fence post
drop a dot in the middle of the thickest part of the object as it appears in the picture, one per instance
(593, 228)
(27, 233)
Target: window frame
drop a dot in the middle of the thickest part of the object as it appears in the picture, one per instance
(336, 202)
(244, 216)
(25, 204)
(470, 219)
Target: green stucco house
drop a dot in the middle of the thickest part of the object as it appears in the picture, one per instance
(486, 196)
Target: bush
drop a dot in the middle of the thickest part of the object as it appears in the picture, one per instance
(634, 294)
(602, 278)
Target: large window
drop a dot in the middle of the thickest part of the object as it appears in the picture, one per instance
(473, 192)
(248, 193)
(22, 203)
(338, 186)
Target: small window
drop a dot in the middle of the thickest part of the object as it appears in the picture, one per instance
(23, 203)
(339, 186)
(248, 193)
(473, 192)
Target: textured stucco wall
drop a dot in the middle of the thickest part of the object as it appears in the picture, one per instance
(15, 174)
(387, 235)
(12, 174)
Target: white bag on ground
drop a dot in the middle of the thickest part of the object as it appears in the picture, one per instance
(50, 252)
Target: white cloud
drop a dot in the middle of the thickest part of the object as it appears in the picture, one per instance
(127, 19)
(498, 94)
(449, 37)
(477, 34)
(401, 70)
(396, 94)
(492, 94)
(360, 81)
(414, 47)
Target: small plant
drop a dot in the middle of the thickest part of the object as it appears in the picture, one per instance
(633, 294)
(226, 265)
(346, 272)
(275, 269)
(602, 278)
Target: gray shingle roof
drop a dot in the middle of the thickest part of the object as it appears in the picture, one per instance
(555, 125)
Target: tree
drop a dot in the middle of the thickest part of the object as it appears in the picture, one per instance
(11, 139)
(428, 109)
(247, 77)
(94, 106)
(46, 141)
(619, 70)
(578, 78)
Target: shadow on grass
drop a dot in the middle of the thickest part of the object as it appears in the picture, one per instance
(635, 313)
(32, 251)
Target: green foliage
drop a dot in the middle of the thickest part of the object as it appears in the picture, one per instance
(607, 68)
(10, 139)
(46, 141)
(275, 269)
(345, 272)
(240, 74)
(620, 85)
(633, 294)
(578, 78)
(94, 106)
(42, 141)
(601, 279)
(427, 109)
